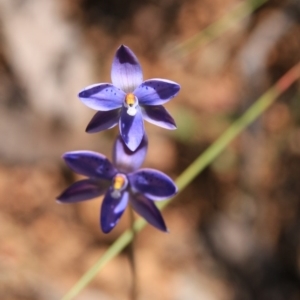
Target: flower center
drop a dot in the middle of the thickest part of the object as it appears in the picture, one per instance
(119, 184)
(131, 103)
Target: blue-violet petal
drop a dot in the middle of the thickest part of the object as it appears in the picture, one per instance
(156, 91)
(131, 128)
(126, 160)
(104, 120)
(91, 164)
(159, 116)
(126, 71)
(103, 96)
(112, 209)
(82, 190)
(152, 183)
(147, 209)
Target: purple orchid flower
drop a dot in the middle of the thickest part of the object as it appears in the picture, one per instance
(121, 181)
(129, 100)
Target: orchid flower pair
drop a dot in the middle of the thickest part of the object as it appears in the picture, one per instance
(128, 101)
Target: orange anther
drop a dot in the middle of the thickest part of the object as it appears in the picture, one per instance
(118, 182)
(130, 99)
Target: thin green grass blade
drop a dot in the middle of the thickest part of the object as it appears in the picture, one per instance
(216, 29)
(252, 113)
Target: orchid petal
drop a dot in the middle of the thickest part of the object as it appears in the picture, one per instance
(103, 120)
(82, 190)
(156, 91)
(152, 183)
(159, 116)
(103, 96)
(91, 164)
(147, 209)
(112, 210)
(126, 160)
(126, 71)
(131, 128)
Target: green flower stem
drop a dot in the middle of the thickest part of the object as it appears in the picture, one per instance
(217, 28)
(131, 256)
(252, 113)
(192, 171)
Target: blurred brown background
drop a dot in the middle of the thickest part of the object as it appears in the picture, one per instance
(234, 232)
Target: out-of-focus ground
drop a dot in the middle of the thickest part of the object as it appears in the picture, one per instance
(234, 232)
